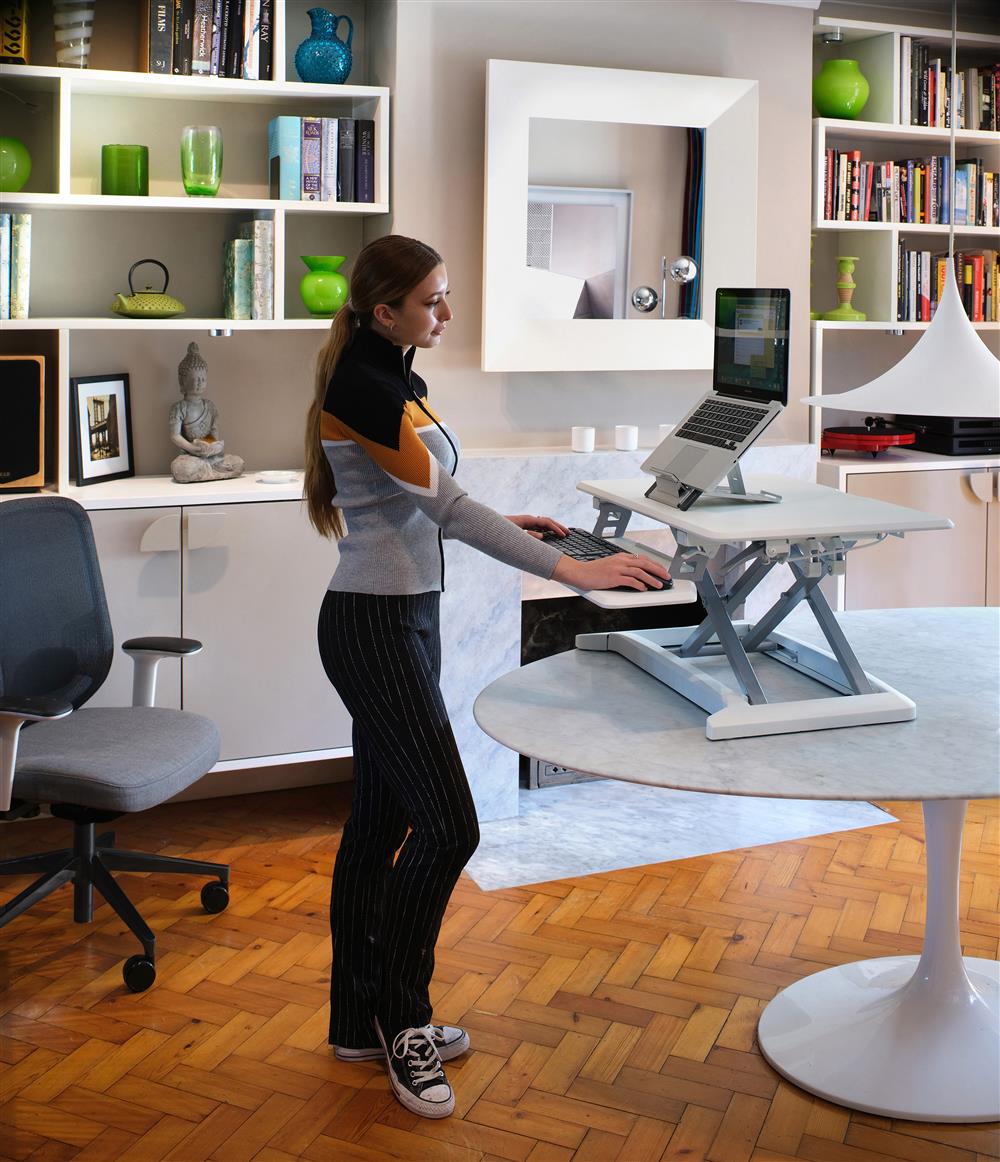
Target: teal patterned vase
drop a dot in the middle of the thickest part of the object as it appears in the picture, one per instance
(323, 290)
(323, 58)
(840, 89)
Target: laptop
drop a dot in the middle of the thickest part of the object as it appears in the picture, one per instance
(749, 388)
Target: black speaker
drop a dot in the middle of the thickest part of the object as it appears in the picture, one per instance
(22, 431)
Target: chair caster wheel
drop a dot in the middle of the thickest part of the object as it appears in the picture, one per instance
(139, 972)
(215, 897)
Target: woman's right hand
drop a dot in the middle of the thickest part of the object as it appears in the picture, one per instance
(628, 569)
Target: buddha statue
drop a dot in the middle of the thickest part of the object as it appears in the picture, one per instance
(194, 428)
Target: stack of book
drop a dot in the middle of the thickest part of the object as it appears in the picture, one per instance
(321, 159)
(914, 190)
(925, 90)
(15, 265)
(208, 38)
(248, 272)
(920, 282)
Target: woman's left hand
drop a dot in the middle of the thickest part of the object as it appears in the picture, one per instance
(536, 525)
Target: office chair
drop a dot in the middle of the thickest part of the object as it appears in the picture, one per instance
(90, 766)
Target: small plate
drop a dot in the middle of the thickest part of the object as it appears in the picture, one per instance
(277, 476)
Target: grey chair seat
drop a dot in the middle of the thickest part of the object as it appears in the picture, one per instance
(114, 759)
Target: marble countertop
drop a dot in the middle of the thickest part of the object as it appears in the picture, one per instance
(598, 713)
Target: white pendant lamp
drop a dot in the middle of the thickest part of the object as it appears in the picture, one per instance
(949, 371)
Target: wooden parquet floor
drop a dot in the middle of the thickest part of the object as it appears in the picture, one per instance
(612, 1016)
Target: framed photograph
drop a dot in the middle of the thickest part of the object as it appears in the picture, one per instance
(102, 427)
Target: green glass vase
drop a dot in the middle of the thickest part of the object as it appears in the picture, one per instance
(323, 290)
(840, 89)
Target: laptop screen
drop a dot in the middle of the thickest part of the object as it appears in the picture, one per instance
(751, 344)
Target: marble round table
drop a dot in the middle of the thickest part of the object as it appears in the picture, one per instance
(902, 1036)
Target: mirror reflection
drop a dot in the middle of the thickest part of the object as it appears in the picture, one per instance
(612, 209)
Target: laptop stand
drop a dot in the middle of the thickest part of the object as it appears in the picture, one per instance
(669, 490)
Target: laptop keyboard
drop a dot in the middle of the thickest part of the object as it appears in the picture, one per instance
(721, 424)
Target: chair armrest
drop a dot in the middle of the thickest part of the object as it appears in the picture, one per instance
(167, 646)
(146, 654)
(14, 713)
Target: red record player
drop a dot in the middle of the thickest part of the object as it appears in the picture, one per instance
(874, 437)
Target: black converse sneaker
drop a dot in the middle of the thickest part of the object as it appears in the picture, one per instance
(449, 1040)
(415, 1072)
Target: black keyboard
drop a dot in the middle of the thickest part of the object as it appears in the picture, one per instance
(584, 546)
(721, 424)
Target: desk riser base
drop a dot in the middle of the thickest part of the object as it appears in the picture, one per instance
(731, 715)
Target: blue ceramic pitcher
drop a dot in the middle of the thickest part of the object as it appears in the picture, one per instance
(322, 58)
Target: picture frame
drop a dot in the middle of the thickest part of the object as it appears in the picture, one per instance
(101, 427)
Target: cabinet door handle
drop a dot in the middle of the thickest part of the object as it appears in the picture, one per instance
(162, 536)
(983, 484)
(205, 530)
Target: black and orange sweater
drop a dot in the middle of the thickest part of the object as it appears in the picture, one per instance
(393, 461)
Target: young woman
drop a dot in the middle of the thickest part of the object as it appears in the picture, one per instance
(376, 449)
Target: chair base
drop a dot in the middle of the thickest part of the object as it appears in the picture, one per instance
(89, 865)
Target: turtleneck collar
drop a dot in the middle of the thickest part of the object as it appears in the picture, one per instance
(381, 352)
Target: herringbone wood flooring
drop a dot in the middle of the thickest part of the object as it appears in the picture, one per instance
(612, 1016)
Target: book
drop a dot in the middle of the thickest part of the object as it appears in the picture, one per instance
(284, 150)
(328, 176)
(250, 48)
(224, 35)
(214, 60)
(237, 279)
(156, 40)
(20, 264)
(855, 186)
(183, 19)
(234, 39)
(345, 160)
(310, 164)
(364, 160)
(201, 38)
(961, 196)
(4, 265)
(266, 40)
(14, 32)
(260, 231)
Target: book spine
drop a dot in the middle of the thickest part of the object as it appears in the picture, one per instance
(933, 67)
(215, 59)
(262, 302)
(4, 266)
(896, 194)
(20, 265)
(946, 190)
(855, 185)
(828, 187)
(328, 178)
(183, 20)
(345, 160)
(284, 150)
(869, 182)
(842, 179)
(364, 160)
(977, 290)
(934, 178)
(237, 279)
(224, 34)
(201, 38)
(311, 167)
(160, 37)
(234, 40)
(14, 32)
(250, 48)
(925, 286)
(266, 71)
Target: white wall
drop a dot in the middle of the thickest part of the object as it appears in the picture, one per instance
(437, 182)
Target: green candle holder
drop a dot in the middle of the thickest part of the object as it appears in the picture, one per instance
(125, 170)
(846, 286)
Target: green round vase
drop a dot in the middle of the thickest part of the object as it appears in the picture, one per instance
(323, 290)
(15, 165)
(840, 89)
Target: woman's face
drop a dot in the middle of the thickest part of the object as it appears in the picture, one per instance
(421, 319)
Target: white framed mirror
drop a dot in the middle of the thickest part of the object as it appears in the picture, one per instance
(523, 328)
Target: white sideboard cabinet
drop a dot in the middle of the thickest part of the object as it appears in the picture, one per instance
(246, 580)
(958, 567)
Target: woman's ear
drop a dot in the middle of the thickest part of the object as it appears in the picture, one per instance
(384, 315)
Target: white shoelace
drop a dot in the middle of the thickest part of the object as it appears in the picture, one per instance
(416, 1047)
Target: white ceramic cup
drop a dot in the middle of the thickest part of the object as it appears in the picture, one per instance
(626, 437)
(582, 438)
(665, 430)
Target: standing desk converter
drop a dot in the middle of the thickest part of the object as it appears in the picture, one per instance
(811, 531)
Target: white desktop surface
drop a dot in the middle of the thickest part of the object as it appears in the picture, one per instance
(805, 510)
(598, 713)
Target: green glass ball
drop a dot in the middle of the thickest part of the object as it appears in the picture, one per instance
(15, 165)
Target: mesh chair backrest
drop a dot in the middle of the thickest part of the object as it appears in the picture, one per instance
(55, 633)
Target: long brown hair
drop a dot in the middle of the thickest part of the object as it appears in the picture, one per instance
(385, 271)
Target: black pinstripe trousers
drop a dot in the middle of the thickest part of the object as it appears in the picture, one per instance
(411, 795)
